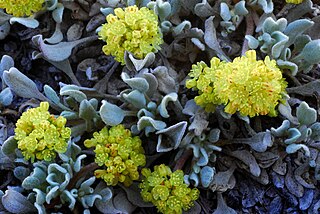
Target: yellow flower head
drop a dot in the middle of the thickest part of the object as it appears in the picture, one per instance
(21, 8)
(119, 152)
(167, 190)
(252, 87)
(40, 135)
(132, 29)
(294, 1)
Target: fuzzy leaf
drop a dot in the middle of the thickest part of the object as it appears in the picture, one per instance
(6, 97)
(137, 83)
(122, 204)
(28, 22)
(149, 122)
(5, 64)
(65, 48)
(293, 135)
(56, 37)
(21, 172)
(58, 13)
(134, 64)
(134, 196)
(315, 131)
(162, 108)
(136, 98)
(259, 142)
(21, 84)
(4, 30)
(247, 158)
(296, 28)
(8, 147)
(288, 65)
(173, 136)
(51, 94)
(15, 202)
(252, 42)
(292, 148)
(311, 52)
(240, 8)
(203, 9)
(222, 207)
(225, 12)
(206, 176)
(270, 25)
(166, 83)
(211, 40)
(281, 130)
(306, 115)
(185, 25)
(111, 114)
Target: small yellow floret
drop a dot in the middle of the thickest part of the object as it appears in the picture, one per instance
(133, 30)
(20, 8)
(119, 152)
(167, 190)
(41, 135)
(252, 87)
(294, 1)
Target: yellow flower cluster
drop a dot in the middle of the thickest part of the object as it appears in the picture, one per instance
(40, 135)
(167, 190)
(20, 8)
(246, 85)
(132, 29)
(294, 1)
(119, 152)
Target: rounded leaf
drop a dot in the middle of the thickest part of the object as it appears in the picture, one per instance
(111, 114)
(15, 202)
(206, 176)
(21, 84)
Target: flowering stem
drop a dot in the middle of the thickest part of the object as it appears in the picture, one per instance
(249, 31)
(183, 159)
(84, 171)
(102, 85)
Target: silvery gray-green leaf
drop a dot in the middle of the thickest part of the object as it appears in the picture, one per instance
(292, 148)
(166, 82)
(6, 97)
(4, 30)
(162, 108)
(134, 64)
(149, 122)
(15, 202)
(65, 48)
(138, 83)
(170, 138)
(28, 22)
(111, 114)
(305, 114)
(21, 84)
(222, 207)
(136, 98)
(203, 9)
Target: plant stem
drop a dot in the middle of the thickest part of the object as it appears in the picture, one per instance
(84, 171)
(249, 31)
(183, 159)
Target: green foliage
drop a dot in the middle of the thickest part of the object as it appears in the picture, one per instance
(41, 135)
(300, 131)
(53, 183)
(167, 190)
(119, 152)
